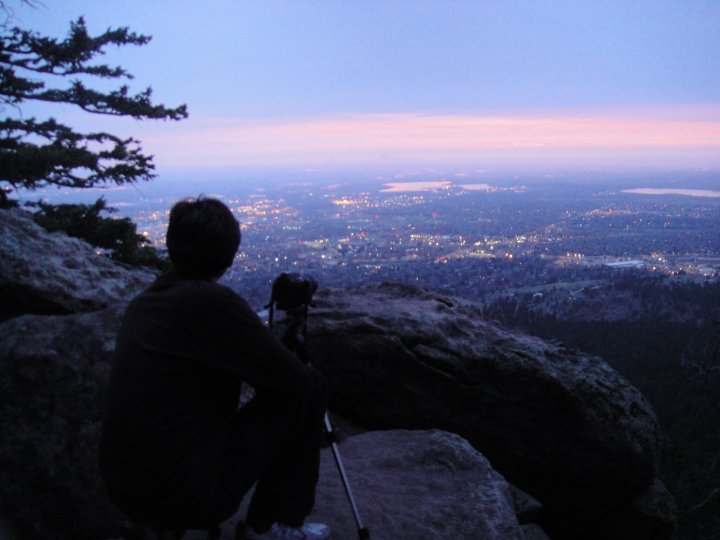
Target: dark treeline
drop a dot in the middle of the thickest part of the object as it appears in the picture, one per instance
(669, 349)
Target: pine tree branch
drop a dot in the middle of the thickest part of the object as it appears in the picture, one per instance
(37, 154)
(29, 50)
(26, 50)
(116, 103)
(69, 159)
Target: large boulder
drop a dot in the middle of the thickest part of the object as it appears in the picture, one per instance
(417, 485)
(414, 485)
(47, 273)
(53, 373)
(562, 425)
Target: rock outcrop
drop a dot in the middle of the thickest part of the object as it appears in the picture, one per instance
(48, 273)
(415, 485)
(53, 371)
(561, 425)
(418, 485)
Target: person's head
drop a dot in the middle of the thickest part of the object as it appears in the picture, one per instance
(202, 237)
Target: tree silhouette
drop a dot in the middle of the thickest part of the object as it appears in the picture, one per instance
(118, 237)
(39, 153)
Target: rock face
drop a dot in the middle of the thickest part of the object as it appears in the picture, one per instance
(52, 273)
(561, 425)
(415, 485)
(53, 372)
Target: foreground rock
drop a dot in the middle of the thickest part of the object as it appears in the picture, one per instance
(53, 372)
(415, 485)
(47, 273)
(561, 425)
(418, 485)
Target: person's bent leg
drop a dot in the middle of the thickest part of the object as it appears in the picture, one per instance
(285, 492)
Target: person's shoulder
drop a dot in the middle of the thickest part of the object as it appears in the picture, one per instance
(220, 292)
(207, 290)
(190, 290)
(219, 302)
(186, 289)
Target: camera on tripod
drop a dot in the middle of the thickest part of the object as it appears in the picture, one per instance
(292, 291)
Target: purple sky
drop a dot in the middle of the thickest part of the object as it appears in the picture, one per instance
(475, 84)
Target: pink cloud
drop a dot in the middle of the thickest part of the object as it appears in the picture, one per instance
(353, 139)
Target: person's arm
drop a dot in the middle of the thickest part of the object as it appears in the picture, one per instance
(241, 345)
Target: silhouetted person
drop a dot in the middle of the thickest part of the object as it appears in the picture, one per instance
(176, 451)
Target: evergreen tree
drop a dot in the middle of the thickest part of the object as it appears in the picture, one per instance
(38, 153)
(117, 236)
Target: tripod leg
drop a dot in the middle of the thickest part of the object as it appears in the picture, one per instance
(363, 532)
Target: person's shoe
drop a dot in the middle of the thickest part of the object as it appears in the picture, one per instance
(309, 531)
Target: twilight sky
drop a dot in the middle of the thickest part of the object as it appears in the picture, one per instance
(483, 84)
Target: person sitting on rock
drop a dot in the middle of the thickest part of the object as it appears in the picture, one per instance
(177, 452)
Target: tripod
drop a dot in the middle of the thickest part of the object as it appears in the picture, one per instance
(293, 295)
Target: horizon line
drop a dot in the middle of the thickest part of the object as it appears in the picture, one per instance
(376, 139)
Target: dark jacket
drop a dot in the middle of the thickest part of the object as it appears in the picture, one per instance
(183, 350)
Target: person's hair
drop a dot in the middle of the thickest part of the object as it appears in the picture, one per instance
(202, 237)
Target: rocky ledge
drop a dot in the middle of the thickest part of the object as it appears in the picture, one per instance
(47, 273)
(454, 407)
(561, 425)
(53, 374)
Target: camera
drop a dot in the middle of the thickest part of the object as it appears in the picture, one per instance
(293, 291)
